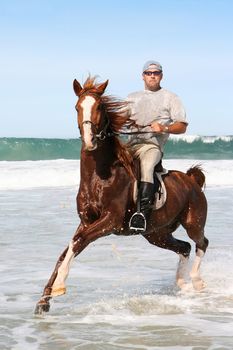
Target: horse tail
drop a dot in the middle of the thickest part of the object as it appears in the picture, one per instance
(196, 173)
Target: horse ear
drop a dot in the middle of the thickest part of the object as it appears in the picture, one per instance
(77, 87)
(101, 88)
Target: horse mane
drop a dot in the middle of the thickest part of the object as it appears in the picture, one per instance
(118, 117)
(115, 108)
(90, 86)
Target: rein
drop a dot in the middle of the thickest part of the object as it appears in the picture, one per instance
(102, 134)
(134, 132)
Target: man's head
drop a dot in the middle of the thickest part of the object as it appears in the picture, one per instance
(152, 74)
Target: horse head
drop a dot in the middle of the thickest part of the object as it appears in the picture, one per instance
(92, 124)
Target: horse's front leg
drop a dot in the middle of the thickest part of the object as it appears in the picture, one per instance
(82, 237)
(56, 283)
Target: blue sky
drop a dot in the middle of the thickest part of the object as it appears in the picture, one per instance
(46, 44)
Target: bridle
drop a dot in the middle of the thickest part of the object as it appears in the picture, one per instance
(102, 134)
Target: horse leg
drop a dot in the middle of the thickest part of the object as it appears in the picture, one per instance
(201, 246)
(165, 240)
(193, 220)
(82, 237)
(181, 272)
(198, 283)
(56, 283)
(194, 224)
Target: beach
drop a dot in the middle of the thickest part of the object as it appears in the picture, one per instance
(121, 291)
(69, 72)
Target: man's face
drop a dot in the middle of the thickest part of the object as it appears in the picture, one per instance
(152, 78)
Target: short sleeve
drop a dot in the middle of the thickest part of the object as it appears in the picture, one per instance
(177, 110)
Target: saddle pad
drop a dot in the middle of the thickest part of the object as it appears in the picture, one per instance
(160, 198)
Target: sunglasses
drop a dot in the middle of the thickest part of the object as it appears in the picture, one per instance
(149, 73)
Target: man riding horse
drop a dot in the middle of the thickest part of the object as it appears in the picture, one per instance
(105, 199)
(160, 111)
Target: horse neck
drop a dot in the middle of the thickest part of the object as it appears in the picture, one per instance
(99, 161)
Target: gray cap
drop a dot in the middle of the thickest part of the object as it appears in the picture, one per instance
(152, 63)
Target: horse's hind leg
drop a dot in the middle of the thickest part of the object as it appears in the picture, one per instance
(196, 233)
(201, 246)
(193, 220)
(182, 272)
(167, 241)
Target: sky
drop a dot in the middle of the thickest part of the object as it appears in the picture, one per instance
(45, 45)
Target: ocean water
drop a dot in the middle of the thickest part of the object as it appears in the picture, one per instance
(121, 291)
(177, 147)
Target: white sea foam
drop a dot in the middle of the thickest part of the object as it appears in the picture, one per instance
(30, 174)
(204, 139)
(58, 173)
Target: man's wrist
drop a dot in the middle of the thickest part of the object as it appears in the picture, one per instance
(166, 129)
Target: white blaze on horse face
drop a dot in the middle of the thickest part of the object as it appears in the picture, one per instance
(87, 105)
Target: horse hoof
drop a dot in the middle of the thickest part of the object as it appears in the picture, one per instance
(198, 284)
(184, 286)
(180, 282)
(41, 308)
(58, 291)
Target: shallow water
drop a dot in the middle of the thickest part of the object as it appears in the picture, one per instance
(121, 291)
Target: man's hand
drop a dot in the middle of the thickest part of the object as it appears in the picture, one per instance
(157, 127)
(175, 128)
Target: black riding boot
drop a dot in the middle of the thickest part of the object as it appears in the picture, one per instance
(138, 221)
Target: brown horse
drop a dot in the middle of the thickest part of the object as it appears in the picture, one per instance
(105, 199)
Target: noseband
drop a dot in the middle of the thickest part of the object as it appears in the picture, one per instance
(99, 135)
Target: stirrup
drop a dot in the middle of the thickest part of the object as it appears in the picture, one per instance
(134, 217)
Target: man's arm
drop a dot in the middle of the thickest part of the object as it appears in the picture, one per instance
(174, 128)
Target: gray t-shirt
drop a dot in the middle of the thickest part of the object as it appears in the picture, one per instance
(148, 106)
